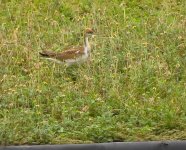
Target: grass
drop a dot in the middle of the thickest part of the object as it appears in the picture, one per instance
(132, 89)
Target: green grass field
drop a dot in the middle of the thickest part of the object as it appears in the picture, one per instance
(133, 88)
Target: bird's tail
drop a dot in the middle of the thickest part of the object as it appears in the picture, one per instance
(47, 54)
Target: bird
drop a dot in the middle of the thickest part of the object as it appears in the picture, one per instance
(73, 55)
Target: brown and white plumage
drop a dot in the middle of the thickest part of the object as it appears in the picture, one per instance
(72, 55)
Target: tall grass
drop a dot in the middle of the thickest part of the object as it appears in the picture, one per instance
(131, 89)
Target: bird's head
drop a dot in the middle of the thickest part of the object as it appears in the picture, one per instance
(89, 32)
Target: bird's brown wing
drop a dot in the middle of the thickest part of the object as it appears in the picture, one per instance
(72, 53)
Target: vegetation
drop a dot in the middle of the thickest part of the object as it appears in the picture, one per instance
(133, 88)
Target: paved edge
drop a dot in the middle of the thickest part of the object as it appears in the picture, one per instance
(149, 145)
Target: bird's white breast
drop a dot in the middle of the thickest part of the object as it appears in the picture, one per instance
(80, 59)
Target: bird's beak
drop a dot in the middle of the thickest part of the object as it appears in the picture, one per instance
(93, 36)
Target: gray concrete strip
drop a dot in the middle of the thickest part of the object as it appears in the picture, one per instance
(151, 145)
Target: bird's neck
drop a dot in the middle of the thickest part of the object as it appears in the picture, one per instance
(87, 45)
